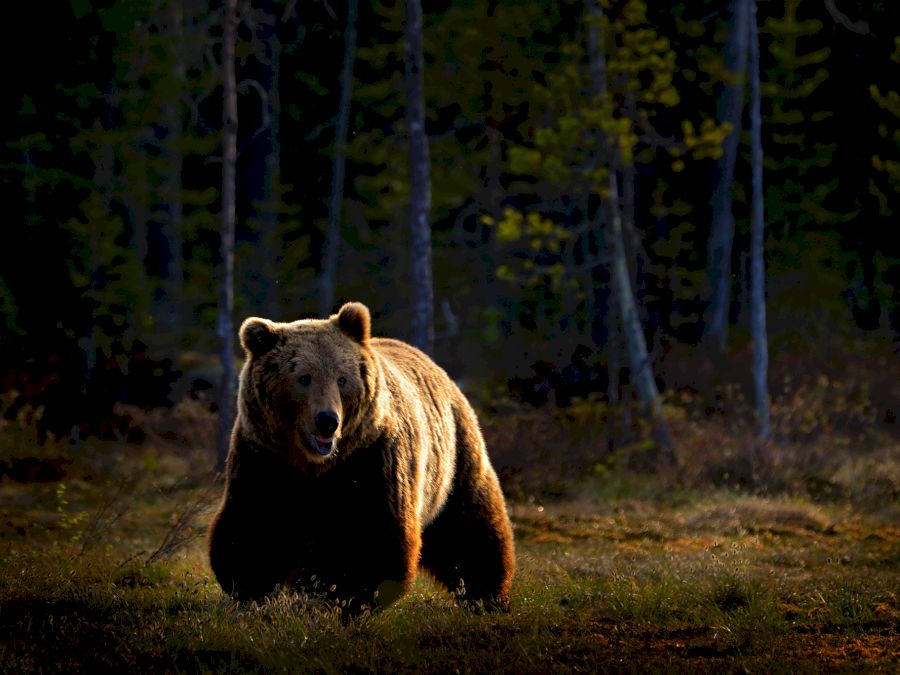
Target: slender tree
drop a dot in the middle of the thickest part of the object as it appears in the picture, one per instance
(225, 329)
(422, 327)
(629, 318)
(264, 273)
(730, 107)
(757, 236)
(339, 164)
(578, 138)
(96, 213)
(170, 150)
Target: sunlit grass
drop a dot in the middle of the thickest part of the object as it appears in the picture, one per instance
(617, 571)
(590, 600)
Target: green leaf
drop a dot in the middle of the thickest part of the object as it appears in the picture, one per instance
(81, 8)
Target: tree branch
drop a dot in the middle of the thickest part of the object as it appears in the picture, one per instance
(860, 27)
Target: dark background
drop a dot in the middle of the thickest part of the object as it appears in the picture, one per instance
(111, 175)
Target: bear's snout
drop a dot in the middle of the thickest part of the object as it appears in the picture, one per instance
(327, 423)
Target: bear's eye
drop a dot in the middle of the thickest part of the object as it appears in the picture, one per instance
(305, 380)
(342, 381)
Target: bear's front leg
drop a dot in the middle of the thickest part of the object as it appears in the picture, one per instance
(245, 556)
(370, 572)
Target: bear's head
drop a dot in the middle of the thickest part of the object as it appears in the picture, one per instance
(311, 389)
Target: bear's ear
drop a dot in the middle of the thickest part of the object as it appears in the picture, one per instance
(355, 321)
(258, 336)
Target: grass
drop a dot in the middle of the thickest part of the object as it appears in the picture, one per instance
(103, 569)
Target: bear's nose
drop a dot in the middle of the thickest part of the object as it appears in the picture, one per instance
(326, 422)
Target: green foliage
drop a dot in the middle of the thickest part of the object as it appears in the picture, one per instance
(585, 133)
(593, 132)
(805, 307)
(885, 184)
(675, 258)
(8, 310)
(135, 167)
(536, 234)
(798, 160)
(67, 519)
(466, 47)
(113, 159)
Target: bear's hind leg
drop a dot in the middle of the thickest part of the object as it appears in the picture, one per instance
(469, 547)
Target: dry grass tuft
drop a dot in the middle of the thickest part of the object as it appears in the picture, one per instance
(757, 515)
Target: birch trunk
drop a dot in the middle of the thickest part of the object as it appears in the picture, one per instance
(422, 301)
(757, 239)
(629, 319)
(632, 332)
(730, 106)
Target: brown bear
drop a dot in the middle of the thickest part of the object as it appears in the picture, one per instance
(354, 461)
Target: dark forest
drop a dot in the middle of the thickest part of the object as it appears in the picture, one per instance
(112, 180)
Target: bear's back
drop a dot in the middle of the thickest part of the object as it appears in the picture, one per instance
(414, 365)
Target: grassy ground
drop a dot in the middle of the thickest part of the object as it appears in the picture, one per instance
(617, 572)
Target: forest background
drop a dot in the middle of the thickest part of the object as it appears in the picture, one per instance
(112, 175)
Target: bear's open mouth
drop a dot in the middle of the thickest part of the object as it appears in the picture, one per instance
(323, 444)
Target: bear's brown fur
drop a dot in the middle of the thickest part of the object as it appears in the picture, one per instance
(355, 460)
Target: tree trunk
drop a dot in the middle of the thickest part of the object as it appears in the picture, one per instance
(270, 251)
(422, 301)
(632, 332)
(342, 126)
(173, 282)
(103, 178)
(730, 105)
(226, 271)
(757, 239)
(262, 170)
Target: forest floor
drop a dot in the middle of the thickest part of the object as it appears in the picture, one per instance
(103, 568)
